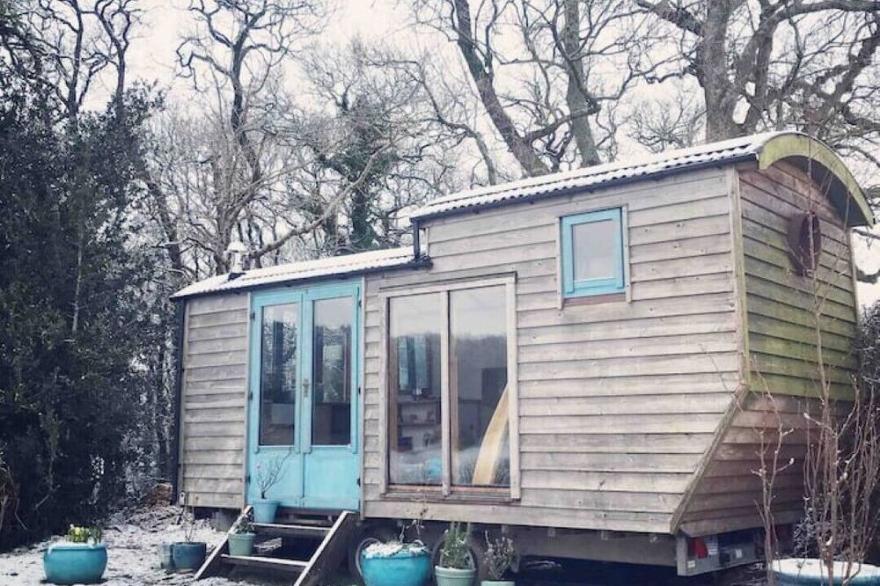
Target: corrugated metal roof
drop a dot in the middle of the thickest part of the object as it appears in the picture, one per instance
(305, 270)
(727, 151)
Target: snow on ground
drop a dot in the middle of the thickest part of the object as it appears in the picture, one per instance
(132, 540)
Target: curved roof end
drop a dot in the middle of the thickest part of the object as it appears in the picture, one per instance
(826, 168)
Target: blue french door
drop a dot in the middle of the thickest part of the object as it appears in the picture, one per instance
(303, 423)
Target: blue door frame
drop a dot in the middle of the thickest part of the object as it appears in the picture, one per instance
(313, 476)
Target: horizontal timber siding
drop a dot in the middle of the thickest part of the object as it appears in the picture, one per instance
(782, 342)
(214, 400)
(729, 491)
(782, 305)
(618, 401)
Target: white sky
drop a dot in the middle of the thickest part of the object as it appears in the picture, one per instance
(383, 21)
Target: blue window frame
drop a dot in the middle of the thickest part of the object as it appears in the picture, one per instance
(593, 254)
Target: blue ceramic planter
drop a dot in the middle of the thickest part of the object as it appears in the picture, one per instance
(811, 572)
(404, 568)
(264, 511)
(188, 556)
(75, 563)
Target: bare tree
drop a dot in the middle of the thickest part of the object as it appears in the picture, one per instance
(382, 116)
(68, 46)
(764, 64)
(544, 71)
(235, 56)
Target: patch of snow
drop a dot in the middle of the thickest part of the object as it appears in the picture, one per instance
(387, 550)
(133, 551)
(815, 569)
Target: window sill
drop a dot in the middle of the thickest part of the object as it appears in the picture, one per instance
(480, 495)
(594, 299)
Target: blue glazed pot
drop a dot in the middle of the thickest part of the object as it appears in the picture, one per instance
(188, 555)
(75, 563)
(812, 572)
(264, 511)
(241, 544)
(404, 568)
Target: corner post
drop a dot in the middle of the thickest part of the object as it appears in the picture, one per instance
(180, 321)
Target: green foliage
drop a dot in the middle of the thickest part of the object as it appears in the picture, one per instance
(455, 553)
(84, 534)
(244, 525)
(72, 279)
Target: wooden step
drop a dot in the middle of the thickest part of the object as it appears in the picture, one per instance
(292, 530)
(263, 563)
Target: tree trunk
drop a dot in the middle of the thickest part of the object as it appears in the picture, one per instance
(714, 71)
(482, 76)
(575, 96)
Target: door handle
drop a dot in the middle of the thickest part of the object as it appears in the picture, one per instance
(305, 385)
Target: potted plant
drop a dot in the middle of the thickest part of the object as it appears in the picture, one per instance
(499, 557)
(82, 560)
(189, 554)
(269, 473)
(395, 562)
(241, 539)
(456, 564)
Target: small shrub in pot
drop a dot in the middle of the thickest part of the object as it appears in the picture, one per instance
(241, 539)
(189, 554)
(499, 557)
(82, 560)
(456, 565)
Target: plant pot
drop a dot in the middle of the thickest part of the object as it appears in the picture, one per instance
(166, 562)
(403, 568)
(497, 583)
(75, 563)
(812, 572)
(454, 576)
(264, 511)
(241, 544)
(189, 555)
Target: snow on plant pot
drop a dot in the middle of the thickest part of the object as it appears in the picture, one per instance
(396, 564)
(456, 565)
(82, 560)
(499, 557)
(241, 539)
(189, 554)
(269, 473)
(814, 572)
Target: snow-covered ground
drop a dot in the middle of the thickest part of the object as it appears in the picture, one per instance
(133, 551)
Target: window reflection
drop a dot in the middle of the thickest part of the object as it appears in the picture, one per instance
(331, 400)
(594, 250)
(278, 356)
(478, 385)
(414, 389)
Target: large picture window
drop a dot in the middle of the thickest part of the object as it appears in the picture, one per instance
(449, 397)
(478, 386)
(414, 380)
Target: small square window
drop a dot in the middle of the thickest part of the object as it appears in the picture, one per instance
(592, 254)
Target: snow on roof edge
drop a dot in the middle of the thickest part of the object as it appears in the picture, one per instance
(302, 270)
(638, 167)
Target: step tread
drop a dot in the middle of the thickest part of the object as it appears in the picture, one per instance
(264, 562)
(290, 528)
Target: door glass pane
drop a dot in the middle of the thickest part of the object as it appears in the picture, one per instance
(478, 387)
(278, 356)
(414, 387)
(594, 248)
(331, 371)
